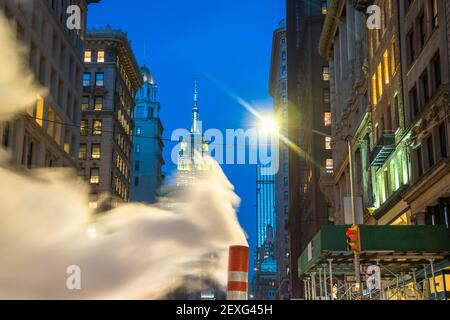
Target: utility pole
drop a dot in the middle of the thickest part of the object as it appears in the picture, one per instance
(352, 195)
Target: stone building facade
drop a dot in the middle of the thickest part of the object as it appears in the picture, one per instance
(48, 135)
(111, 79)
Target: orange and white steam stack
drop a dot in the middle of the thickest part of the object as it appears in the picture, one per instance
(238, 273)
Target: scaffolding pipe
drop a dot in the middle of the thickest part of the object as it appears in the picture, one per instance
(434, 278)
(415, 284)
(330, 263)
(320, 284)
(426, 285)
(313, 284)
(325, 281)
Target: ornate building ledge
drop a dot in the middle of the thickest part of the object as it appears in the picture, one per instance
(330, 26)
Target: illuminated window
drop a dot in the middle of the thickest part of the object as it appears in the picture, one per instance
(88, 56)
(83, 127)
(380, 80)
(97, 128)
(386, 67)
(95, 176)
(327, 119)
(58, 123)
(435, 13)
(98, 103)
(393, 61)
(138, 131)
(324, 7)
(326, 73)
(39, 110)
(82, 152)
(329, 166)
(138, 148)
(374, 90)
(96, 151)
(101, 56)
(328, 143)
(85, 103)
(51, 121)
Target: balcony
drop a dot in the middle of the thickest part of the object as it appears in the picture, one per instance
(383, 150)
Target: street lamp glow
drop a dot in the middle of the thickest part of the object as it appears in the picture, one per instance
(268, 125)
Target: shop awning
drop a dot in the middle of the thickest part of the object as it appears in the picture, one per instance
(400, 247)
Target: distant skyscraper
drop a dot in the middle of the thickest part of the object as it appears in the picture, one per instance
(265, 283)
(147, 153)
(278, 91)
(193, 148)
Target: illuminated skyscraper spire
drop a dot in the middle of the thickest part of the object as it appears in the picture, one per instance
(195, 110)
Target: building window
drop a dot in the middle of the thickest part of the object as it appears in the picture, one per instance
(139, 114)
(283, 56)
(86, 79)
(326, 73)
(101, 56)
(83, 128)
(136, 181)
(430, 151)
(419, 162)
(324, 7)
(99, 79)
(443, 140)
(436, 69)
(286, 181)
(386, 67)
(396, 112)
(413, 101)
(424, 91)
(326, 95)
(88, 56)
(434, 13)
(374, 90)
(286, 196)
(328, 143)
(138, 131)
(408, 4)
(380, 80)
(95, 176)
(97, 128)
(138, 147)
(393, 60)
(85, 103)
(98, 103)
(329, 166)
(82, 153)
(422, 30)
(137, 165)
(96, 151)
(327, 119)
(410, 47)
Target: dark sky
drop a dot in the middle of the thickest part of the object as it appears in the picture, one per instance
(229, 40)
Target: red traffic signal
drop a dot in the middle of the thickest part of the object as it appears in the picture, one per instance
(353, 239)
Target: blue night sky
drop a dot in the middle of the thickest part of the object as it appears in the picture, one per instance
(229, 40)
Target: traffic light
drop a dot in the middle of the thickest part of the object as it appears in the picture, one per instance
(353, 239)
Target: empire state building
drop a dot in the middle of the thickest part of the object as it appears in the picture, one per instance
(191, 161)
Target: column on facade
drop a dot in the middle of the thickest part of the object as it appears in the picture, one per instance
(365, 175)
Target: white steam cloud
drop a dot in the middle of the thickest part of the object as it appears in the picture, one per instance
(18, 90)
(136, 252)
